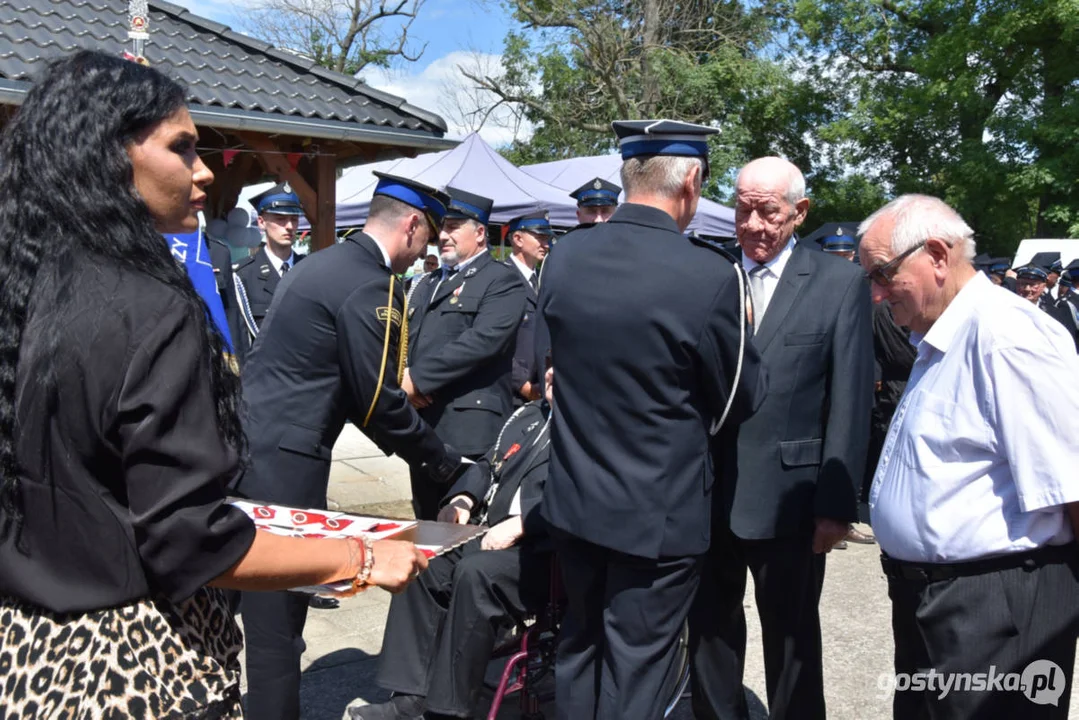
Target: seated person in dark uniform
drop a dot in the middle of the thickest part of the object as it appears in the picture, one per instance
(441, 631)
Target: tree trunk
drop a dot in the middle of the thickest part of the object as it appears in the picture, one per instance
(650, 94)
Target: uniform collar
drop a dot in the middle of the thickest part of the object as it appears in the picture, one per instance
(277, 262)
(465, 263)
(639, 214)
(525, 270)
(381, 249)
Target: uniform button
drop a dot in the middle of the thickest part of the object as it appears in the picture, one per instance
(479, 402)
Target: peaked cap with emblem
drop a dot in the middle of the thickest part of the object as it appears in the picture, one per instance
(1032, 272)
(637, 138)
(537, 223)
(469, 205)
(597, 192)
(840, 242)
(279, 200)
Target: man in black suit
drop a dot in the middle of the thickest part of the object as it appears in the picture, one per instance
(462, 331)
(329, 352)
(530, 236)
(441, 631)
(279, 214)
(789, 475)
(647, 363)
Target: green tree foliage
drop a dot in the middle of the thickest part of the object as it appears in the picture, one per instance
(975, 102)
(573, 66)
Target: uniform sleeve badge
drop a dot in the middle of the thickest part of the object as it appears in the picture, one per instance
(387, 313)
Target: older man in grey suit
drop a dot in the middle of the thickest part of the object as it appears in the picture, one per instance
(788, 475)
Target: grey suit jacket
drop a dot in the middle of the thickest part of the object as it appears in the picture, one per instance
(803, 453)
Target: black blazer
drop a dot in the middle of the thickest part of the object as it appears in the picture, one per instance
(519, 460)
(644, 325)
(803, 453)
(260, 281)
(221, 259)
(524, 369)
(317, 363)
(123, 485)
(461, 347)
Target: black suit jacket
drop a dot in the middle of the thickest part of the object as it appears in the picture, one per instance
(645, 326)
(519, 460)
(461, 346)
(524, 369)
(1066, 312)
(260, 281)
(221, 259)
(803, 453)
(331, 335)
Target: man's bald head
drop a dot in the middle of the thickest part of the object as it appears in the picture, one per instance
(770, 203)
(771, 170)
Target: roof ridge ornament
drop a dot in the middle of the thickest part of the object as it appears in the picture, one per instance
(138, 18)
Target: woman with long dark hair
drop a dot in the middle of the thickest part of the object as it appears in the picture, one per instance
(119, 424)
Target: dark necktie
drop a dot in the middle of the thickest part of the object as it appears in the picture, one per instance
(284, 268)
(533, 281)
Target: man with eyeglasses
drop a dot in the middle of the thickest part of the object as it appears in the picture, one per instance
(788, 478)
(975, 503)
(462, 324)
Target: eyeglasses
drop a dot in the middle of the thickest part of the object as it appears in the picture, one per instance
(884, 274)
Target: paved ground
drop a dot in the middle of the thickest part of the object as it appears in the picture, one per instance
(343, 645)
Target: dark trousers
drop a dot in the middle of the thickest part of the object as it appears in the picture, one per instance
(1004, 619)
(788, 578)
(273, 637)
(441, 631)
(619, 638)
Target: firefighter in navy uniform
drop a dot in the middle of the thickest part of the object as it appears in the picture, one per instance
(279, 212)
(648, 362)
(596, 200)
(331, 351)
(530, 237)
(462, 327)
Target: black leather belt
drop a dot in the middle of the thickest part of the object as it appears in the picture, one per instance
(935, 572)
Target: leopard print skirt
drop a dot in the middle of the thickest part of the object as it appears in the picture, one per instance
(148, 659)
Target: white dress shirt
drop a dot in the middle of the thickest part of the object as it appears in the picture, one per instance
(769, 278)
(381, 249)
(526, 271)
(973, 465)
(277, 262)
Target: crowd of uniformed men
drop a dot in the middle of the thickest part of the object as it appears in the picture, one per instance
(662, 414)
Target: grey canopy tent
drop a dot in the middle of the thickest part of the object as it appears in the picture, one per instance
(472, 166)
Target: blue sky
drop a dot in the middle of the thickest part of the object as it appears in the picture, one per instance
(457, 33)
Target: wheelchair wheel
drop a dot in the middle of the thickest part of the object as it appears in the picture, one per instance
(677, 680)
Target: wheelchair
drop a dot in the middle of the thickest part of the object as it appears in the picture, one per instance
(530, 658)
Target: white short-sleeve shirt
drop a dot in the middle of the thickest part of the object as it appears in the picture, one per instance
(975, 463)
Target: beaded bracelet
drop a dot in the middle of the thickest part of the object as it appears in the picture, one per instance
(364, 575)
